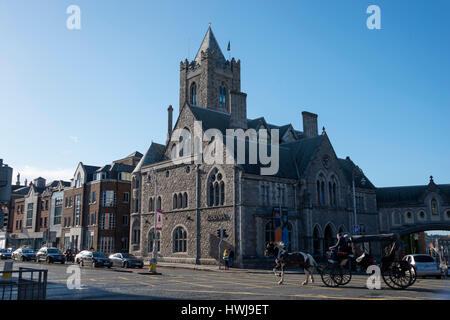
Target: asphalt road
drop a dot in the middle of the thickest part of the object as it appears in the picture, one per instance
(103, 283)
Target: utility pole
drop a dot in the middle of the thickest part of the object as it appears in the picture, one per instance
(155, 203)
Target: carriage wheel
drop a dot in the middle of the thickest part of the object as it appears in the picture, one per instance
(413, 275)
(344, 276)
(330, 275)
(399, 275)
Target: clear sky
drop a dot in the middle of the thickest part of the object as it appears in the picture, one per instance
(100, 93)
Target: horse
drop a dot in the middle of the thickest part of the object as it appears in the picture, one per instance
(283, 259)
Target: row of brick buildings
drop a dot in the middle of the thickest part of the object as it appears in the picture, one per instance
(90, 211)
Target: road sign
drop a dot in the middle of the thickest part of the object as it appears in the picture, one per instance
(355, 229)
(159, 220)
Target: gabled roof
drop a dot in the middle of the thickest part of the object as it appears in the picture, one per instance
(136, 154)
(210, 43)
(347, 166)
(120, 167)
(90, 169)
(154, 154)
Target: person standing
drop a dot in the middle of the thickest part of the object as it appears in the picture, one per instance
(230, 258)
(226, 258)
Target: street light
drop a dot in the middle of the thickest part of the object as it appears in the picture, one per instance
(356, 170)
(155, 203)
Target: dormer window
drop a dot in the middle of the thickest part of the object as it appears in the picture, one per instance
(101, 176)
(222, 97)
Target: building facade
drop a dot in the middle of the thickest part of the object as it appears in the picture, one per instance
(312, 188)
(96, 207)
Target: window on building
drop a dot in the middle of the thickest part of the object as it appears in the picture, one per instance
(193, 93)
(269, 232)
(125, 220)
(434, 207)
(126, 197)
(45, 222)
(108, 198)
(151, 206)
(151, 240)
(185, 200)
(46, 204)
(77, 210)
(216, 189)
(179, 240)
(125, 244)
(90, 240)
(93, 216)
(107, 244)
(94, 197)
(58, 211)
(222, 96)
(158, 204)
(29, 221)
(125, 176)
(175, 201)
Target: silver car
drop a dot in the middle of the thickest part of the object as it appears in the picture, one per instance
(424, 265)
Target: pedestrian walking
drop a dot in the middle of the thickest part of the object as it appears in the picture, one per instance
(226, 258)
(230, 258)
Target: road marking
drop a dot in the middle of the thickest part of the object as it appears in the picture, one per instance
(191, 284)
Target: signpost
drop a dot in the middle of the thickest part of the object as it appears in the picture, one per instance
(355, 229)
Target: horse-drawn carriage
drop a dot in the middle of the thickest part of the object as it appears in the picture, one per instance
(396, 274)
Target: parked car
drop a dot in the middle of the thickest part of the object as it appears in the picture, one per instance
(424, 265)
(125, 260)
(94, 258)
(24, 254)
(5, 253)
(50, 255)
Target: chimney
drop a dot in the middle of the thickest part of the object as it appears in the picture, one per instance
(309, 124)
(169, 122)
(238, 109)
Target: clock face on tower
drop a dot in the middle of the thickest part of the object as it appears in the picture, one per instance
(326, 161)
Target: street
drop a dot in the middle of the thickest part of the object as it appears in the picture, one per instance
(177, 283)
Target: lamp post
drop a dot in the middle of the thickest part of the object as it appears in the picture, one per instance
(155, 203)
(356, 170)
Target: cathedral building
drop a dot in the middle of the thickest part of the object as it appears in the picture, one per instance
(310, 197)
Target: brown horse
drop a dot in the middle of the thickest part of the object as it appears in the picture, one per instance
(284, 260)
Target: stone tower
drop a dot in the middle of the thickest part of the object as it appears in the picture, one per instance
(209, 79)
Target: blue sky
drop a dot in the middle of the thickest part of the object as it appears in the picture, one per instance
(100, 93)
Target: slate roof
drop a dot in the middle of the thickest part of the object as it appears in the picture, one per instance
(154, 154)
(209, 42)
(348, 165)
(410, 194)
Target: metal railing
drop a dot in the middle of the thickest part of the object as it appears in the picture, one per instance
(23, 284)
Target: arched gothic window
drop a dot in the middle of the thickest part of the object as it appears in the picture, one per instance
(216, 189)
(185, 200)
(193, 94)
(179, 240)
(180, 201)
(222, 96)
(151, 239)
(151, 205)
(158, 204)
(175, 201)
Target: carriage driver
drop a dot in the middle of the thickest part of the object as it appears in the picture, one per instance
(342, 245)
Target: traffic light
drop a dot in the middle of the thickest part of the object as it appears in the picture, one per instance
(224, 233)
(219, 233)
